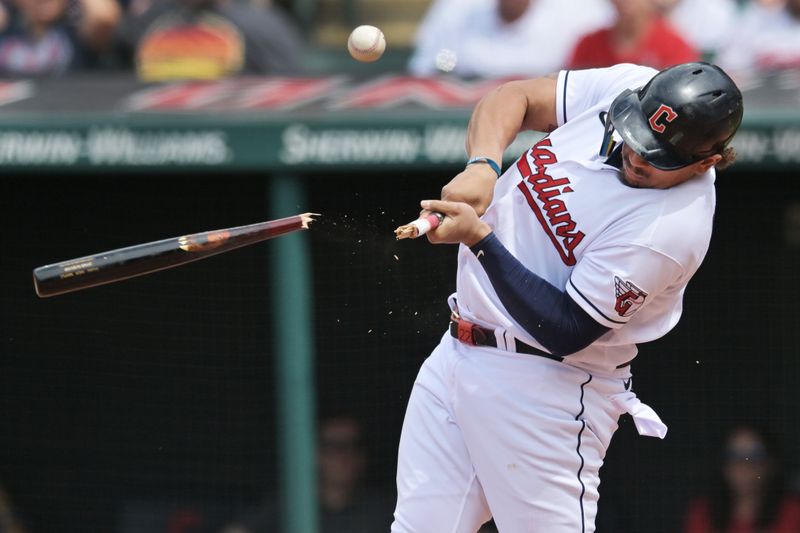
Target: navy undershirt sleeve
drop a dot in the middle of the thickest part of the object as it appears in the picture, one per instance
(548, 314)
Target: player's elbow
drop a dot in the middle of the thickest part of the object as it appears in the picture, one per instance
(571, 329)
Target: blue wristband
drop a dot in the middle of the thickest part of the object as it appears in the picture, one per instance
(491, 162)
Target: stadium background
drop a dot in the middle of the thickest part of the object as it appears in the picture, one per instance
(162, 389)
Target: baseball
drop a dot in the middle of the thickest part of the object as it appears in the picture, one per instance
(366, 44)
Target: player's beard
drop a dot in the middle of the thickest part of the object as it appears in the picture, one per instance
(630, 175)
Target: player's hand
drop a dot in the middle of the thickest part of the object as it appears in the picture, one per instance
(474, 185)
(461, 223)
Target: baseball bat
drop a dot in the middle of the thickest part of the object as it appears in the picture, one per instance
(141, 259)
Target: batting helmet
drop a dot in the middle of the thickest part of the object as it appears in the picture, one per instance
(684, 114)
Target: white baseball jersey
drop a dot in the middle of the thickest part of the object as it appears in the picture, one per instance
(623, 254)
(491, 432)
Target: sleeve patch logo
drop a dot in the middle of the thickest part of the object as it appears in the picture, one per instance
(629, 297)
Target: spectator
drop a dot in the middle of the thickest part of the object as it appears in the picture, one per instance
(168, 514)
(705, 24)
(499, 38)
(346, 506)
(771, 4)
(767, 38)
(748, 494)
(639, 35)
(10, 522)
(211, 39)
(51, 37)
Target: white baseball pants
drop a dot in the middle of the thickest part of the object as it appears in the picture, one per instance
(494, 433)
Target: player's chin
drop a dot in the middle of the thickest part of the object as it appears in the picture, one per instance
(631, 181)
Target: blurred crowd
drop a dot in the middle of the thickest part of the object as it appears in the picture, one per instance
(498, 38)
(210, 39)
(748, 489)
(160, 39)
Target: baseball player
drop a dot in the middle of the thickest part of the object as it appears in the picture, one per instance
(571, 257)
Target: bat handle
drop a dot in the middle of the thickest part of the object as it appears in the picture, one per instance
(419, 227)
(429, 222)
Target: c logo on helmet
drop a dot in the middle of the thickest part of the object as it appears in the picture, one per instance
(664, 114)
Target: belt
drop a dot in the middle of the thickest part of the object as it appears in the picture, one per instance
(474, 335)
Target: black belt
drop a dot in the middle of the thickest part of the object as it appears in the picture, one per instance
(473, 334)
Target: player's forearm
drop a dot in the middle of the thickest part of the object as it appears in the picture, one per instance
(511, 108)
(495, 122)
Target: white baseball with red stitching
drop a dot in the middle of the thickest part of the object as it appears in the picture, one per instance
(366, 43)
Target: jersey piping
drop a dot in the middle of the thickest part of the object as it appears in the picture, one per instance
(585, 299)
(564, 98)
(578, 450)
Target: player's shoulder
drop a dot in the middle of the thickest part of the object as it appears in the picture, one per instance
(675, 223)
(580, 90)
(680, 224)
(626, 74)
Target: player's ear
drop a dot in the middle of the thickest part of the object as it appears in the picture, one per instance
(704, 164)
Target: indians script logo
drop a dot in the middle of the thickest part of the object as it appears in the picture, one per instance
(544, 195)
(629, 297)
(664, 114)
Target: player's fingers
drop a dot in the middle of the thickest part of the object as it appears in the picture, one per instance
(441, 206)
